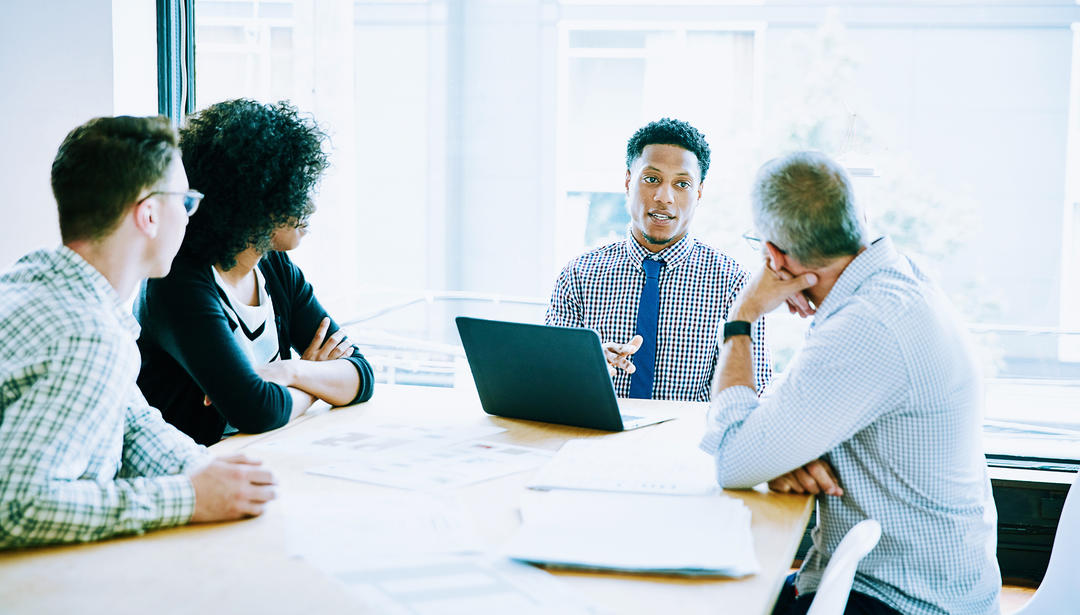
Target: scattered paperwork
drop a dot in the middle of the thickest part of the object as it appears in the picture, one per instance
(415, 553)
(362, 442)
(634, 466)
(450, 467)
(340, 528)
(690, 535)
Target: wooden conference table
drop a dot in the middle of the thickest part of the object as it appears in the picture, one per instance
(244, 567)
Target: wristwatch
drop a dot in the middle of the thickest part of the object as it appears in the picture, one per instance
(736, 327)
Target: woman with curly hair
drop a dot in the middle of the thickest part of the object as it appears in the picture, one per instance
(219, 332)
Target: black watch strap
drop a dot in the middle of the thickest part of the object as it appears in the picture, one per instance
(736, 327)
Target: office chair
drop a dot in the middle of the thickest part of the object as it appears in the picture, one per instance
(1059, 591)
(832, 592)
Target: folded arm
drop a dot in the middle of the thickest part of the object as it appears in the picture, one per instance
(846, 375)
(330, 366)
(184, 318)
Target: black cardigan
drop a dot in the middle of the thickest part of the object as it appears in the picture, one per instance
(188, 350)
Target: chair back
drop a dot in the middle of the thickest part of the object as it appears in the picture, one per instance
(1059, 591)
(832, 593)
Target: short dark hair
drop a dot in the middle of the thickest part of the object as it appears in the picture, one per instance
(102, 166)
(804, 204)
(667, 131)
(257, 164)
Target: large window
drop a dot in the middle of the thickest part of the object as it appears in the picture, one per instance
(363, 71)
(477, 146)
(618, 76)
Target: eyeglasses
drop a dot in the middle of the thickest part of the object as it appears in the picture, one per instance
(758, 243)
(192, 198)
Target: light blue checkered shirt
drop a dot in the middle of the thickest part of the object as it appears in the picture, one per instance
(887, 391)
(82, 456)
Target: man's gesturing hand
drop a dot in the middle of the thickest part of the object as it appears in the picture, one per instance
(767, 290)
(618, 355)
(814, 478)
(230, 488)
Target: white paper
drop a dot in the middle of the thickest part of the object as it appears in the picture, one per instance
(362, 442)
(633, 466)
(446, 468)
(376, 527)
(687, 535)
(456, 586)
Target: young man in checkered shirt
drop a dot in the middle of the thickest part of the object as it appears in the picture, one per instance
(82, 455)
(673, 339)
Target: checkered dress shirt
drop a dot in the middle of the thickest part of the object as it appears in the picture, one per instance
(887, 391)
(82, 456)
(600, 290)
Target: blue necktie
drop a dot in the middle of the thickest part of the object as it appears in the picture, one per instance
(648, 318)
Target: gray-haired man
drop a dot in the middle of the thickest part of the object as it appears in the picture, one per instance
(879, 414)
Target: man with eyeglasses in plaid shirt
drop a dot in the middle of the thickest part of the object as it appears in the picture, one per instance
(83, 456)
(658, 297)
(879, 414)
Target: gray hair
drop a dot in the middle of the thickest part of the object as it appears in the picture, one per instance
(803, 204)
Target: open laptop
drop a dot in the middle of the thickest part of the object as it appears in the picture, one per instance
(549, 374)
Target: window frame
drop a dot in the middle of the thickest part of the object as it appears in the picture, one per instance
(176, 58)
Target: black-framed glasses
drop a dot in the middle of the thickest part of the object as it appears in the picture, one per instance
(757, 243)
(192, 198)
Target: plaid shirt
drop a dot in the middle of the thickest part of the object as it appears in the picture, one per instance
(600, 290)
(83, 456)
(887, 391)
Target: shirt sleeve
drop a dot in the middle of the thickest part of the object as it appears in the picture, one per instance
(565, 307)
(849, 372)
(182, 315)
(60, 447)
(307, 313)
(152, 447)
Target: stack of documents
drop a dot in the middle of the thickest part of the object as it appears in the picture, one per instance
(688, 535)
(633, 466)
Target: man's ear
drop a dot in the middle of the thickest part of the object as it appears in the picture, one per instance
(777, 259)
(145, 217)
(628, 182)
(699, 188)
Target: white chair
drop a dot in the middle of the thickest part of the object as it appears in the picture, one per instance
(1059, 591)
(832, 593)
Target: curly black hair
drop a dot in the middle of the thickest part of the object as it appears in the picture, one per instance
(667, 131)
(257, 164)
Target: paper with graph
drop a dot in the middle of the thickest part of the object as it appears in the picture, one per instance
(364, 441)
(449, 467)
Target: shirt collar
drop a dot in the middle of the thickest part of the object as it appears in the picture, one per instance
(671, 255)
(95, 286)
(879, 255)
